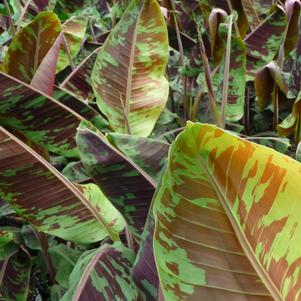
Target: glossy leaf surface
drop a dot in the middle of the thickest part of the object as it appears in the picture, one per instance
(226, 203)
(128, 76)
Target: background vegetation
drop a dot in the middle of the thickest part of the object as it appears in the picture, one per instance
(147, 150)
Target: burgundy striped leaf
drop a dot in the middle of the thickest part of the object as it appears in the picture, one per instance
(81, 108)
(81, 213)
(149, 154)
(31, 45)
(79, 80)
(42, 119)
(15, 273)
(103, 274)
(264, 42)
(128, 75)
(128, 187)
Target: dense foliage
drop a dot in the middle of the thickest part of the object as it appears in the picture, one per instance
(147, 150)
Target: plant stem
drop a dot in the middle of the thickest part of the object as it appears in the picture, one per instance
(92, 30)
(226, 74)
(196, 106)
(24, 10)
(10, 18)
(68, 52)
(235, 23)
(126, 116)
(247, 111)
(181, 51)
(129, 238)
(211, 94)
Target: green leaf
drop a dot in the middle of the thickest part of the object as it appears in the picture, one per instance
(76, 173)
(128, 76)
(63, 259)
(126, 185)
(63, 211)
(227, 218)
(15, 273)
(74, 31)
(30, 46)
(103, 274)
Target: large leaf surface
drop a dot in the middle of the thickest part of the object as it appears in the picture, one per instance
(30, 46)
(263, 43)
(128, 76)
(103, 274)
(228, 220)
(42, 119)
(63, 211)
(122, 181)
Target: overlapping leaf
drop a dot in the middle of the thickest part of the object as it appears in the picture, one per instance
(128, 76)
(227, 220)
(149, 154)
(74, 31)
(266, 79)
(79, 80)
(31, 46)
(63, 211)
(103, 274)
(15, 273)
(236, 70)
(122, 181)
(263, 43)
(81, 108)
(42, 119)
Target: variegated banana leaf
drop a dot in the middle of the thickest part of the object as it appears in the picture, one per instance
(292, 9)
(149, 154)
(264, 42)
(266, 79)
(235, 69)
(76, 173)
(15, 273)
(128, 76)
(217, 44)
(144, 270)
(292, 123)
(74, 31)
(227, 220)
(252, 10)
(103, 274)
(79, 80)
(81, 214)
(40, 118)
(31, 45)
(128, 187)
(81, 108)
